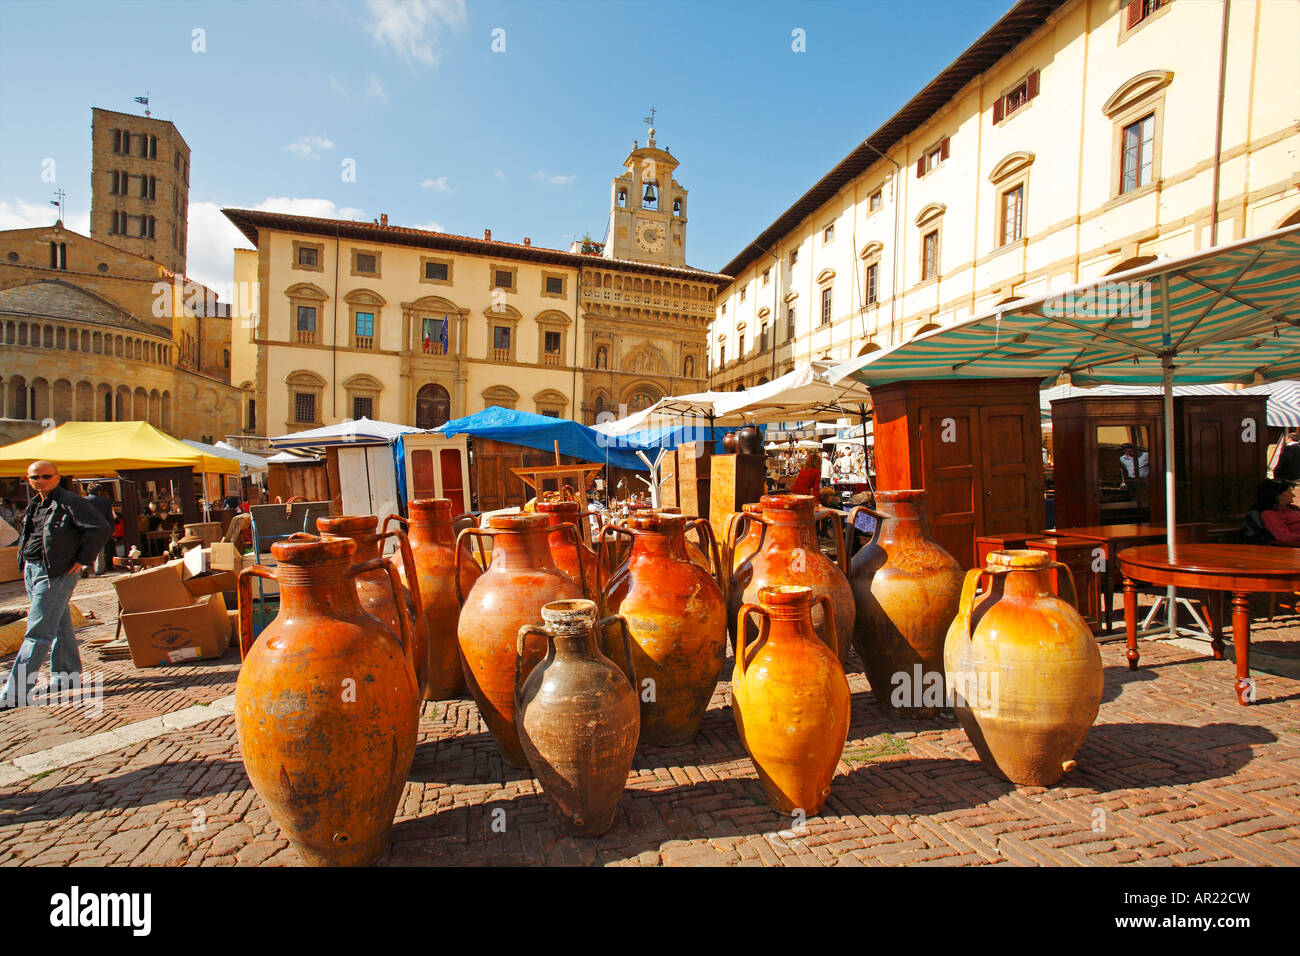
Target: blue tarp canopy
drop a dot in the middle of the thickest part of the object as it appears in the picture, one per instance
(542, 431)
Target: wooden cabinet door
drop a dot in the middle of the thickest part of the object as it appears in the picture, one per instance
(1013, 466)
(950, 442)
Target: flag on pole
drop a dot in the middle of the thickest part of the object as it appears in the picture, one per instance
(142, 100)
(442, 336)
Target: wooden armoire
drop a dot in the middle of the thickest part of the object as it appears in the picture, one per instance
(976, 447)
(1220, 455)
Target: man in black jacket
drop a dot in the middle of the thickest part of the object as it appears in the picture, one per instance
(1288, 462)
(61, 533)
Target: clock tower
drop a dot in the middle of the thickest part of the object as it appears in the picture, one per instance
(647, 212)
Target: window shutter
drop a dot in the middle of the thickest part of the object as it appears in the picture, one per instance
(1134, 13)
(1031, 85)
(920, 167)
(997, 109)
(943, 149)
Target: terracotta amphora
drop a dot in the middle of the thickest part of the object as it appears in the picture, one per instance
(791, 699)
(790, 555)
(905, 587)
(433, 543)
(372, 587)
(578, 718)
(566, 544)
(677, 619)
(1023, 667)
(520, 580)
(326, 705)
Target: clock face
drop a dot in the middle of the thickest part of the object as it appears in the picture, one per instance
(649, 236)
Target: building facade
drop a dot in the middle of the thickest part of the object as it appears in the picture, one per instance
(139, 186)
(1075, 139)
(355, 319)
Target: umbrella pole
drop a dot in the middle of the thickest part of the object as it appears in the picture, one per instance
(1171, 521)
(866, 455)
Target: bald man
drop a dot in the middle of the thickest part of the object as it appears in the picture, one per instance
(61, 534)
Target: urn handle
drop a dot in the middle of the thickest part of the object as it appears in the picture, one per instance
(572, 529)
(828, 615)
(404, 522)
(244, 601)
(528, 629)
(478, 534)
(706, 532)
(841, 548)
(731, 537)
(852, 523)
(627, 643)
(601, 561)
(1066, 581)
(968, 587)
(764, 627)
(408, 562)
(405, 625)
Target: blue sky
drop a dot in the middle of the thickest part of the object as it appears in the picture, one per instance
(449, 133)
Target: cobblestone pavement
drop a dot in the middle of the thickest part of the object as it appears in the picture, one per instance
(1174, 772)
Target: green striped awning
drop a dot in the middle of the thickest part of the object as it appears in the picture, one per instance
(1229, 314)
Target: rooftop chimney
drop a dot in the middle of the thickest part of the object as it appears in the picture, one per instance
(383, 218)
(527, 241)
(487, 234)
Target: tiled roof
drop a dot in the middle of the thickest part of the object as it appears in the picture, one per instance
(55, 299)
(1017, 25)
(250, 221)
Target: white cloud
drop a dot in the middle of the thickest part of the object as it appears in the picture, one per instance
(213, 237)
(309, 147)
(339, 88)
(499, 174)
(429, 226)
(439, 184)
(555, 179)
(411, 27)
(21, 214)
(375, 89)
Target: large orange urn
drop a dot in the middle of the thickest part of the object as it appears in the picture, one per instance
(372, 587)
(677, 620)
(905, 587)
(326, 704)
(572, 555)
(578, 718)
(790, 555)
(790, 699)
(433, 544)
(1024, 669)
(520, 580)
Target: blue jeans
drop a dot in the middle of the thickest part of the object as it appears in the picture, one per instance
(48, 622)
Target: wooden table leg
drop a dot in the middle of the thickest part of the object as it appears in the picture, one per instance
(1241, 645)
(1215, 609)
(1131, 622)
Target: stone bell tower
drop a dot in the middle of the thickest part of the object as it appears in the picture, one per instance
(647, 209)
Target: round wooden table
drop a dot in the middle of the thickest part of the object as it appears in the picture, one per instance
(1239, 569)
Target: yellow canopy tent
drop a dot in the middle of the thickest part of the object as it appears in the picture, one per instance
(101, 447)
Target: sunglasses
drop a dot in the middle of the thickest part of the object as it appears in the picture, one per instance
(41, 477)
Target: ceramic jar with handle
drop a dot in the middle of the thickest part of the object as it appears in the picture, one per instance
(326, 704)
(1024, 668)
(790, 555)
(433, 543)
(676, 617)
(905, 587)
(790, 698)
(372, 587)
(520, 580)
(742, 536)
(578, 717)
(565, 544)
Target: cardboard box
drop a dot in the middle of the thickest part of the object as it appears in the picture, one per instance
(196, 561)
(224, 556)
(209, 531)
(218, 582)
(173, 635)
(9, 564)
(163, 621)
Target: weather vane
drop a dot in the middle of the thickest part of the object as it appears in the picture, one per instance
(144, 101)
(59, 196)
(649, 120)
